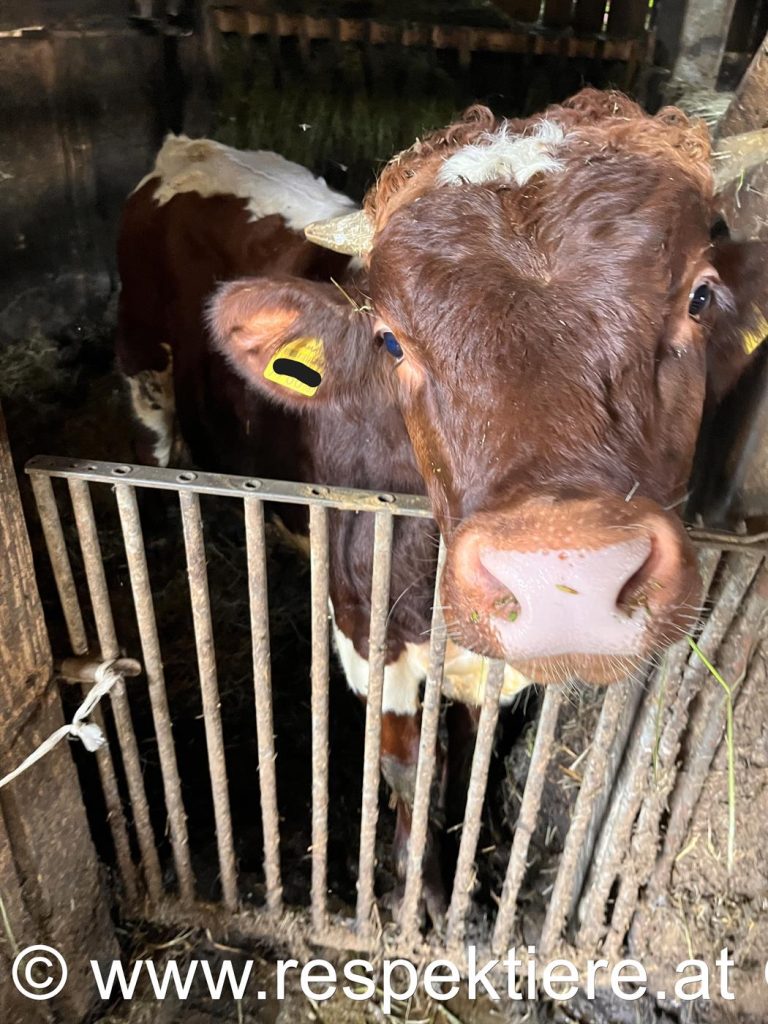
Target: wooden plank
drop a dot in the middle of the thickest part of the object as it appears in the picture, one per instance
(748, 109)
(25, 655)
(58, 898)
(16, 929)
(588, 15)
(520, 10)
(626, 18)
(557, 13)
(464, 39)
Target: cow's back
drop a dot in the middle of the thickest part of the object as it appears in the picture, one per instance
(207, 214)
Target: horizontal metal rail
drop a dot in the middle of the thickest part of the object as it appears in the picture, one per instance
(281, 491)
(228, 486)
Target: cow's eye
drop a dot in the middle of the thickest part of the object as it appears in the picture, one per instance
(699, 299)
(391, 344)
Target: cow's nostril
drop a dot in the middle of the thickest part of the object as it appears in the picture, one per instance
(638, 589)
(646, 587)
(506, 607)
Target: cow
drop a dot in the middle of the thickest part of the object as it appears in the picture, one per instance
(544, 309)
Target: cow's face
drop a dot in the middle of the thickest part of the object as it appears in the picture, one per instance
(548, 337)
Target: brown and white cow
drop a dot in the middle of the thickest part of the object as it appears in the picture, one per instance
(546, 311)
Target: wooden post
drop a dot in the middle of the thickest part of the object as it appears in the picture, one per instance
(50, 881)
(702, 43)
(748, 110)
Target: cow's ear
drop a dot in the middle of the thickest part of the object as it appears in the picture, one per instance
(741, 325)
(291, 339)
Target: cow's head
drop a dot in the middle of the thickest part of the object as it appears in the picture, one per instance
(550, 305)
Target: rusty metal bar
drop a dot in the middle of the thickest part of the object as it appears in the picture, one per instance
(229, 486)
(105, 628)
(194, 544)
(687, 793)
(350, 498)
(478, 780)
(425, 771)
(683, 678)
(616, 717)
(377, 655)
(630, 787)
(158, 697)
(733, 658)
(256, 548)
(319, 549)
(65, 584)
(526, 819)
(62, 570)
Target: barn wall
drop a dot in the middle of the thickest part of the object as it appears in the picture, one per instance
(85, 97)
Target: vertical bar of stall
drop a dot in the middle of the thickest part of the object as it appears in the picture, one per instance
(105, 628)
(478, 780)
(526, 819)
(608, 743)
(194, 544)
(319, 551)
(153, 667)
(377, 653)
(256, 548)
(425, 771)
(53, 533)
(65, 585)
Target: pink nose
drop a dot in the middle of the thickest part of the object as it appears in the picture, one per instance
(568, 601)
(584, 581)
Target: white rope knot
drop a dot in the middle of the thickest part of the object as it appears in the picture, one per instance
(89, 734)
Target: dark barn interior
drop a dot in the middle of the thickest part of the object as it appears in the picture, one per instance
(88, 91)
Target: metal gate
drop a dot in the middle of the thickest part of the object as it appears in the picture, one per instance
(648, 760)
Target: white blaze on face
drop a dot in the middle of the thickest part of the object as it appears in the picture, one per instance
(270, 183)
(506, 156)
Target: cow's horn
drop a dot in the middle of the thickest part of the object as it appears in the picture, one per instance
(736, 155)
(351, 234)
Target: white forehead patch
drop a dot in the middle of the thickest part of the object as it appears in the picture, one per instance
(504, 156)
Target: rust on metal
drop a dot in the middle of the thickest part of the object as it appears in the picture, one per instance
(62, 569)
(153, 664)
(377, 653)
(349, 498)
(478, 781)
(616, 822)
(194, 544)
(65, 584)
(319, 549)
(425, 771)
(681, 676)
(733, 658)
(610, 739)
(110, 649)
(526, 819)
(256, 550)
(230, 486)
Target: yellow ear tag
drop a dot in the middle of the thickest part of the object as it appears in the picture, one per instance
(298, 366)
(754, 339)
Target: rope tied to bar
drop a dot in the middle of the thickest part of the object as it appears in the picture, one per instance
(89, 734)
